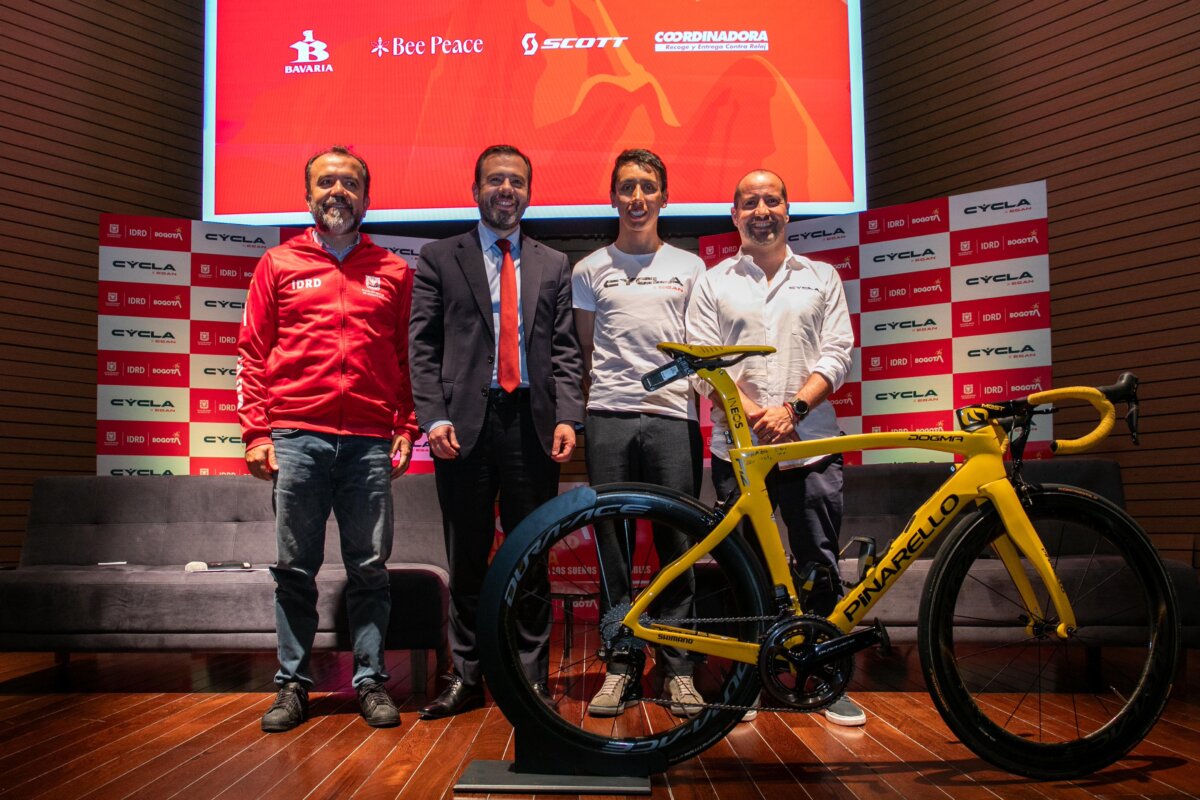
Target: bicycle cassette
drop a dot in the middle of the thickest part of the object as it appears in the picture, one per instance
(790, 669)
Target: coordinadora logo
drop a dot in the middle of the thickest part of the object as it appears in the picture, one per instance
(694, 41)
(530, 43)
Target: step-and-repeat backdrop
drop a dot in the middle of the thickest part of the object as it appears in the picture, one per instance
(171, 294)
(950, 301)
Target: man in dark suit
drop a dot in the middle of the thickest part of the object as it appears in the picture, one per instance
(496, 374)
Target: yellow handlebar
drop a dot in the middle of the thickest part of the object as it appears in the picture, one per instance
(1108, 416)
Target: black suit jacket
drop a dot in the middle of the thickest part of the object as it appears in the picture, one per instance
(452, 344)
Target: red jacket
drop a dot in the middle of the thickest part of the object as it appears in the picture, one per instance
(324, 346)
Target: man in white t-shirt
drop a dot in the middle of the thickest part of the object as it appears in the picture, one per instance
(766, 294)
(628, 297)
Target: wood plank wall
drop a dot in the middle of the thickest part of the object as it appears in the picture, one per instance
(102, 102)
(1102, 100)
(103, 112)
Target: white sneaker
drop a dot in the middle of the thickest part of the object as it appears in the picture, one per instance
(752, 713)
(845, 711)
(685, 700)
(612, 698)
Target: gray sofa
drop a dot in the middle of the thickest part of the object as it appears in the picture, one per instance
(61, 599)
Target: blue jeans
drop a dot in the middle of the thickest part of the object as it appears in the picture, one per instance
(352, 476)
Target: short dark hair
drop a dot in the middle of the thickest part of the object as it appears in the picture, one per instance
(337, 150)
(501, 150)
(643, 158)
(782, 185)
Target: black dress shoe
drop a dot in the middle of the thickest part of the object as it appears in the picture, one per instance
(456, 698)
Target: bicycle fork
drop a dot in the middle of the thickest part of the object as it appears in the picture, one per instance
(1022, 539)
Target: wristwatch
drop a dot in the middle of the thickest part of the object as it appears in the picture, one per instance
(798, 407)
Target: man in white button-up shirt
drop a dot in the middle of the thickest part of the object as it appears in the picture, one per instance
(766, 294)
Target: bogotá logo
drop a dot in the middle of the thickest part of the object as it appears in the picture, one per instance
(311, 55)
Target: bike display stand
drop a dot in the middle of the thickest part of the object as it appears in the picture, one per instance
(538, 770)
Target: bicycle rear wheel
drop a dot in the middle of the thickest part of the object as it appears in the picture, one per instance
(1031, 702)
(730, 599)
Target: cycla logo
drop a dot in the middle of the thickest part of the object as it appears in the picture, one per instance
(222, 439)
(120, 473)
(123, 402)
(903, 255)
(136, 334)
(906, 395)
(1002, 277)
(1004, 206)
(805, 235)
(237, 304)
(217, 371)
(905, 325)
(147, 265)
(530, 43)
(237, 238)
(1003, 350)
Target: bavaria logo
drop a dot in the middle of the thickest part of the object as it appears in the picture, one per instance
(311, 53)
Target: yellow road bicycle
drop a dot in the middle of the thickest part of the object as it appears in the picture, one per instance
(1048, 632)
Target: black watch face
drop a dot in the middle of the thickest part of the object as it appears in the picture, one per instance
(800, 407)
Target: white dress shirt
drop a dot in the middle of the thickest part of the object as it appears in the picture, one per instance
(802, 313)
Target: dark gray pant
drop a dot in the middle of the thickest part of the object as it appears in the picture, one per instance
(654, 449)
(810, 501)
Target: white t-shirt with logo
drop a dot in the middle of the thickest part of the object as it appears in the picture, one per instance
(639, 301)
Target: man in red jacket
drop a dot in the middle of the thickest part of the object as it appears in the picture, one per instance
(327, 414)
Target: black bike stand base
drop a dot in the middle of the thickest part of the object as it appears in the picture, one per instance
(501, 777)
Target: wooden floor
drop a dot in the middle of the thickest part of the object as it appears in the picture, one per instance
(187, 726)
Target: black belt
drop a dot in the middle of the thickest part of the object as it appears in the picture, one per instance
(500, 397)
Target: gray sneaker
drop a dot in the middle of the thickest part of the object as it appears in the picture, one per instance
(289, 709)
(845, 711)
(377, 706)
(613, 697)
(685, 700)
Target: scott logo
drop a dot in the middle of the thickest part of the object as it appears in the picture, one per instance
(1004, 206)
(530, 43)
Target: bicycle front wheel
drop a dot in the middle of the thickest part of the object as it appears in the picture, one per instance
(645, 734)
(1018, 695)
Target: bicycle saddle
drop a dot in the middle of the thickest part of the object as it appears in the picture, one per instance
(712, 351)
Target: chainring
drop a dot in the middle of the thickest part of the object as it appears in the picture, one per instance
(783, 667)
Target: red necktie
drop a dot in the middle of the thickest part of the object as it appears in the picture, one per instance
(508, 370)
